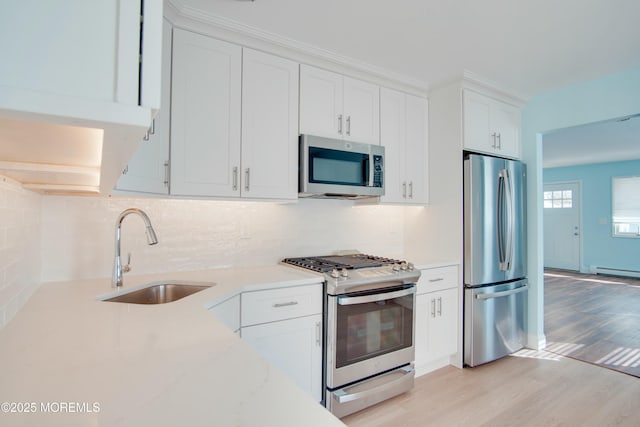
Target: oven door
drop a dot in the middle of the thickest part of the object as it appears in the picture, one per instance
(369, 333)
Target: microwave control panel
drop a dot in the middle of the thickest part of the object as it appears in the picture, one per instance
(377, 171)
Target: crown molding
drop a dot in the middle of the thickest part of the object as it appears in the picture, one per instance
(479, 83)
(189, 17)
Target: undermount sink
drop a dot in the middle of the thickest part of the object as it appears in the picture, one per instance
(161, 292)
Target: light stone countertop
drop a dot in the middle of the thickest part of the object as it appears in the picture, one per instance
(146, 365)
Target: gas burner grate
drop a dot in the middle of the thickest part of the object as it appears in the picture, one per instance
(325, 264)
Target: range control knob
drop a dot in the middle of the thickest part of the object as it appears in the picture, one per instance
(396, 267)
(344, 273)
(335, 274)
(410, 266)
(403, 266)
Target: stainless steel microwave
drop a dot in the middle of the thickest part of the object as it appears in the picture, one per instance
(333, 168)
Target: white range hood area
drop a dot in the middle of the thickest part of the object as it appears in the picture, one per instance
(77, 97)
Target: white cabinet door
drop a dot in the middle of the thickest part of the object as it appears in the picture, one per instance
(417, 150)
(404, 134)
(335, 106)
(321, 102)
(269, 126)
(490, 126)
(506, 120)
(436, 327)
(148, 169)
(293, 346)
(361, 111)
(205, 116)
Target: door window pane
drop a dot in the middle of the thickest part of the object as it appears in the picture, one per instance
(558, 199)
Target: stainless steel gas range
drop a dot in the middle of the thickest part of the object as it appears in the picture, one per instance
(368, 328)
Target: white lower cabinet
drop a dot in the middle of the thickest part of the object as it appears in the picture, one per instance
(293, 346)
(284, 325)
(436, 334)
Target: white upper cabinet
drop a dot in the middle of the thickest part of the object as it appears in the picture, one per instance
(205, 116)
(404, 134)
(336, 106)
(148, 169)
(269, 160)
(71, 67)
(490, 126)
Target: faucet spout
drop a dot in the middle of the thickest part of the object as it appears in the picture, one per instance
(152, 239)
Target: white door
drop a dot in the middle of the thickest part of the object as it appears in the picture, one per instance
(505, 119)
(477, 126)
(392, 137)
(417, 149)
(321, 103)
(294, 346)
(361, 111)
(269, 126)
(562, 228)
(205, 116)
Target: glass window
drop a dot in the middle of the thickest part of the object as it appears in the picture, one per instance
(558, 199)
(626, 206)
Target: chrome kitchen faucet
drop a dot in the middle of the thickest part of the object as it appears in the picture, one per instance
(116, 281)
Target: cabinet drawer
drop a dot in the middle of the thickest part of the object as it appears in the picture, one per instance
(435, 279)
(279, 304)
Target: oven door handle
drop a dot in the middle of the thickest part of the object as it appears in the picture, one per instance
(343, 397)
(343, 300)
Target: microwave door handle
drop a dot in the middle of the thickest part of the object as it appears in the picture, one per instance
(344, 300)
(366, 171)
(370, 170)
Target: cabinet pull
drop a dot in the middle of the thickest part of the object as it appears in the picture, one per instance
(437, 279)
(499, 141)
(285, 304)
(235, 178)
(411, 190)
(404, 190)
(166, 173)
(348, 125)
(247, 174)
(433, 307)
(152, 131)
(340, 124)
(493, 135)
(146, 135)
(318, 331)
(125, 170)
(440, 306)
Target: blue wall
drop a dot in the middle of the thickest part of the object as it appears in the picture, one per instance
(599, 247)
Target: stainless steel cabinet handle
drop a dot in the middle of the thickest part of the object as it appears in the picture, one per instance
(411, 190)
(493, 135)
(499, 142)
(342, 396)
(437, 279)
(348, 125)
(166, 173)
(235, 178)
(318, 330)
(433, 307)
(152, 131)
(285, 304)
(125, 170)
(340, 124)
(439, 306)
(376, 297)
(146, 135)
(503, 294)
(247, 175)
(404, 190)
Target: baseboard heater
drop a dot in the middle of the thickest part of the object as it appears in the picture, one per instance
(614, 271)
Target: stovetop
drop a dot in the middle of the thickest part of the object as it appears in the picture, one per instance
(328, 263)
(357, 272)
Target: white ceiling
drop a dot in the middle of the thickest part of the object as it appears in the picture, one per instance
(525, 47)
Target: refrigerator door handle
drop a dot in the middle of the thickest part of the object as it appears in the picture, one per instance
(510, 208)
(503, 293)
(500, 212)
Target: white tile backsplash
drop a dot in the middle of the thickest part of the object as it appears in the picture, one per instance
(78, 233)
(20, 246)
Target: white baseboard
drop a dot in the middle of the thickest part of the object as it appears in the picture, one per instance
(614, 271)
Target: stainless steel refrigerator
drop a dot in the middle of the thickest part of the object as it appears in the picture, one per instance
(495, 284)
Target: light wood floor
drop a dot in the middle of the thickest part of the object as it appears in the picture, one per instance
(513, 391)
